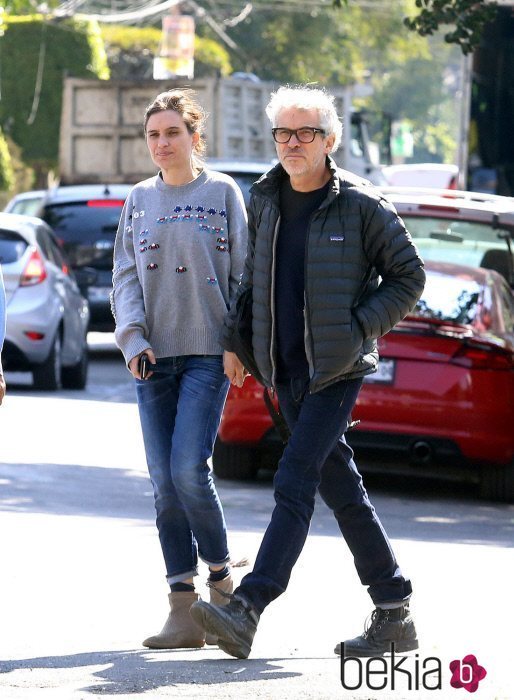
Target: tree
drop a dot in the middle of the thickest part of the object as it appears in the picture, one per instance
(130, 52)
(421, 93)
(319, 44)
(23, 7)
(466, 17)
(35, 56)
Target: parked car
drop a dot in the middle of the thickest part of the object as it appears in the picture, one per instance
(442, 395)
(27, 203)
(85, 219)
(439, 175)
(47, 313)
(466, 228)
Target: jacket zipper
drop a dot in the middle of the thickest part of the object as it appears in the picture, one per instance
(309, 345)
(309, 351)
(272, 301)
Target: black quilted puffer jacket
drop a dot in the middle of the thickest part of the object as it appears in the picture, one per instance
(363, 274)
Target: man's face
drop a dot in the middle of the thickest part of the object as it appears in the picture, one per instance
(302, 159)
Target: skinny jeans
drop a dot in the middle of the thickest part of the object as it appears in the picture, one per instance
(317, 457)
(180, 408)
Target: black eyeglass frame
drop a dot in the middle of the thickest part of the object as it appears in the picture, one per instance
(315, 130)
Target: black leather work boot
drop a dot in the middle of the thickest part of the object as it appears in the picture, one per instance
(234, 624)
(385, 627)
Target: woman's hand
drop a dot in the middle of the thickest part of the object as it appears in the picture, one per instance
(2, 387)
(133, 365)
(234, 369)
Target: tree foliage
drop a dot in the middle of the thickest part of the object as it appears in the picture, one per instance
(36, 55)
(421, 93)
(130, 52)
(6, 166)
(466, 18)
(321, 45)
(22, 7)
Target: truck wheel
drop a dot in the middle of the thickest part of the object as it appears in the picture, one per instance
(75, 377)
(234, 461)
(497, 482)
(47, 376)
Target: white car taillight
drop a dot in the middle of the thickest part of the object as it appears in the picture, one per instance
(35, 271)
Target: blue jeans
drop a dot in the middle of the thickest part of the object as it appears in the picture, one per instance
(317, 457)
(180, 409)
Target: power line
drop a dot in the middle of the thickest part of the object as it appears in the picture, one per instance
(134, 16)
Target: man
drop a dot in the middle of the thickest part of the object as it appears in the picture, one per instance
(2, 334)
(332, 268)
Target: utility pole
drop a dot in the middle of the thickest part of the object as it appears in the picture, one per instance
(464, 121)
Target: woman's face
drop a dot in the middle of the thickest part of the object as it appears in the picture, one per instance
(169, 141)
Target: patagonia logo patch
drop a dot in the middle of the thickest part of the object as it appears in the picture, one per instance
(337, 238)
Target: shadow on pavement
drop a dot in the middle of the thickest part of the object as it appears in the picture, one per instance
(134, 671)
(119, 493)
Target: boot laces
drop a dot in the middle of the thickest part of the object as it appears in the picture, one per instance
(374, 622)
(212, 584)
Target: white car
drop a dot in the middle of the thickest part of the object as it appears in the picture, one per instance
(47, 314)
(463, 228)
(27, 203)
(441, 175)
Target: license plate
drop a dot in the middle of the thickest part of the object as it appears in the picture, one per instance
(384, 373)
(99, 293)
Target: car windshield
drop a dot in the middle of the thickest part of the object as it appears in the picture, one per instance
(87, 229)
(459, 242)
(455, 299)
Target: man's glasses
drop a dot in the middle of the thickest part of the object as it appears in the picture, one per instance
(306, 134)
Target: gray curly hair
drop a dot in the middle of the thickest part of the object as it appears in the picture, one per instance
(306, 97)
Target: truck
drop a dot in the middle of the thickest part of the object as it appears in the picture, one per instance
(486, 147)
(101, 137)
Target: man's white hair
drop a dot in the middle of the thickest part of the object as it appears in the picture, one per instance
(305, 97)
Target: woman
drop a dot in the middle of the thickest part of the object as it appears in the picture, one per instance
(178, 259)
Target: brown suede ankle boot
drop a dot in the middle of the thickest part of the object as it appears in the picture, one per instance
(180, 631)
(226, 585)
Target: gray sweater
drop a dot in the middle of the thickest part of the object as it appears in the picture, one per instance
(178, 259)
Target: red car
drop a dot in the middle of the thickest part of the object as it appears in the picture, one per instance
(443, 394)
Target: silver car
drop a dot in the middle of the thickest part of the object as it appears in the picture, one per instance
(47, 314)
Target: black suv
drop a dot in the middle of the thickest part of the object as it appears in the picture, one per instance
(85, 219)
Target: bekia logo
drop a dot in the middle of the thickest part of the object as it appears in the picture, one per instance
(400, 672)
(467, 673)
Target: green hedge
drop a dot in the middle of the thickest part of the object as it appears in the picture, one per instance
(6, 167)
(73, 48)
(141, 44)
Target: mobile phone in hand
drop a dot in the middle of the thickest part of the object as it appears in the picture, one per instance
(143, 365)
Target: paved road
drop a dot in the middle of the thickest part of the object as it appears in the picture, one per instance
(82, 581)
